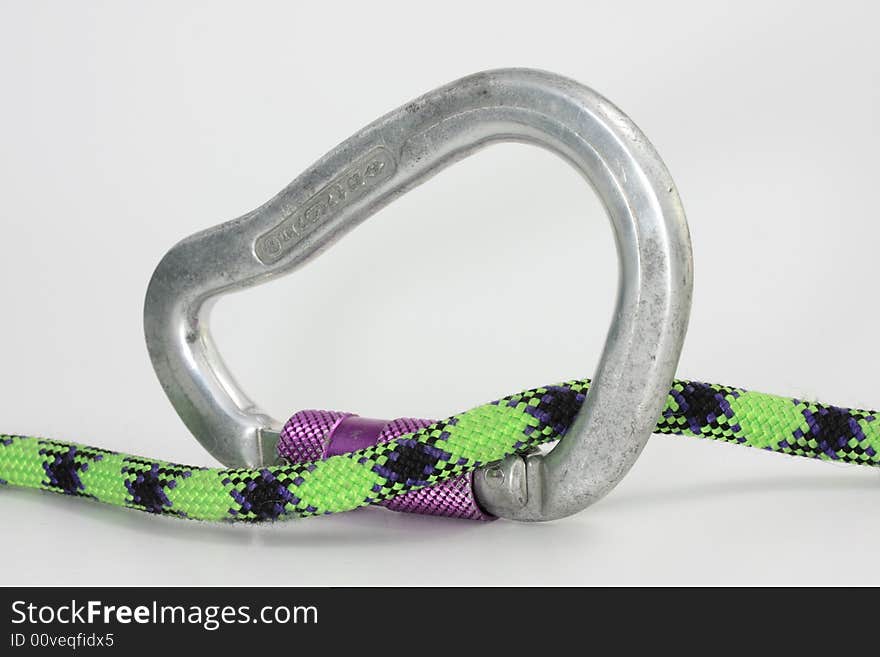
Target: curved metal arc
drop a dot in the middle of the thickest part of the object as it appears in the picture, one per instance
(384, 160)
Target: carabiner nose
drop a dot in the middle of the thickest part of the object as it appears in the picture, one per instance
(387, 158)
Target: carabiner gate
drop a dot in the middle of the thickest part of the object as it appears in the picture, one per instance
(382, 161)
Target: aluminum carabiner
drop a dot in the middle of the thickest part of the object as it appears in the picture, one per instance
(384, 160)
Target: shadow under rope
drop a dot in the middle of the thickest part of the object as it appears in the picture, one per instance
(846, 481)
(367, 526)
(374, 526)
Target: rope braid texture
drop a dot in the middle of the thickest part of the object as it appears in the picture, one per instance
(439, 451)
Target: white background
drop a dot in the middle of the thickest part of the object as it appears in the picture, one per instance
(127, 126)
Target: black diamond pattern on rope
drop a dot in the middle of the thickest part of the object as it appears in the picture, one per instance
(63, 465)
(829, 431)
(148, 483)
(705, 409)
(264, 496)
(412, 463)
(555, 409)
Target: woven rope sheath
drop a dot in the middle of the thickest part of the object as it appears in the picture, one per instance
(307, 436)
(434, 453)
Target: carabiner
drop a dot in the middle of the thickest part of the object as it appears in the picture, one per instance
(384, 160)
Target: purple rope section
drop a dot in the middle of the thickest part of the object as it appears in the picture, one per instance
(315, 435)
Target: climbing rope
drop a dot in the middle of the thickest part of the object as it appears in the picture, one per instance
(427, 456)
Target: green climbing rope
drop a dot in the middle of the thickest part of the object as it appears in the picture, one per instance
(442, 450)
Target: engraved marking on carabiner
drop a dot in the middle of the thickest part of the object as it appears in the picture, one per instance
(377, 166)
